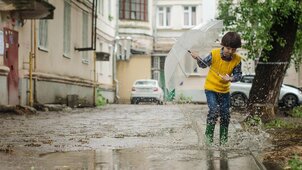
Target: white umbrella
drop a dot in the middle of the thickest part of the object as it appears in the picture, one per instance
(200, 39)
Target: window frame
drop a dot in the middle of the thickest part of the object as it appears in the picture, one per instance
(133, 10)
(191, 19)
(85, 36)
(100, 7)
(67, 28)
(43, 35)
(166, 17)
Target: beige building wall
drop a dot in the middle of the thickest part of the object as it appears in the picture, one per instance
(52, 60)
(70, 74)
(139, 67)
(56, 74)
(72, 64)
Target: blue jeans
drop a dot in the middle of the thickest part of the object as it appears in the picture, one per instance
(219, 105)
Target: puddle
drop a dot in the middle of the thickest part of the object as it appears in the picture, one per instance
(132, 158)
(123, 137)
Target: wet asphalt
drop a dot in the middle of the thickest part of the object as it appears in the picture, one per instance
(118, 137)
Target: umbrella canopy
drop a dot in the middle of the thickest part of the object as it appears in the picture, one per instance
(200, 39)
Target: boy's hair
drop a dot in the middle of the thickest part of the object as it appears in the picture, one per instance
(231, 39)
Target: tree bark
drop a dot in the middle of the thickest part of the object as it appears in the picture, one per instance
(264, 94)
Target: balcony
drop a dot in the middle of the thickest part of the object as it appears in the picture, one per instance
(28, 9)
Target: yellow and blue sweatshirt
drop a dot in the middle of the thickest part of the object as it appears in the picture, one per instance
(219, 65)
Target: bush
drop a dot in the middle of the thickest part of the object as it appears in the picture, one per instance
(100, 100)
(184, 99)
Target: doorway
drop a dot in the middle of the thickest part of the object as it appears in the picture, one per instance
(11, 61)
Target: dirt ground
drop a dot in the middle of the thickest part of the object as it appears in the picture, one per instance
(287, 142)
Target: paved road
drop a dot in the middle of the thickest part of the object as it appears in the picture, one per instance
(122, 137)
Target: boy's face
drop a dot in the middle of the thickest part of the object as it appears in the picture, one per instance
(228, 51)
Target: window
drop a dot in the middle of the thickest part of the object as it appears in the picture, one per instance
(153, 83)
(43, 34)
(67, 27)
(109, 8)
(189, 15)
(155, 67)
(100, 7)
(163, 16)
(110, 50)
(120, 57)
(155, 63)
(85, 36)
(134, 10)
(101, 46)
(155, 75)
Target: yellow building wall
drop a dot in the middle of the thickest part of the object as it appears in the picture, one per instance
(138, 67)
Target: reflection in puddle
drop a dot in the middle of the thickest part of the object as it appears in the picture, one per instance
(222, 162)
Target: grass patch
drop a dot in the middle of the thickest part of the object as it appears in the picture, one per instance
(254, 120)
(184, 99)
(295, 163)
(296, 112)
(278, 123)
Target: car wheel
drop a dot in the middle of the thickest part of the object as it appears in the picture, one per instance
(132, 101)
(136, 101)
(160, 102)
(290, 101)
(238, 100)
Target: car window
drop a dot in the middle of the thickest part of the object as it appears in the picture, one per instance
(145, 83)
(247, 79)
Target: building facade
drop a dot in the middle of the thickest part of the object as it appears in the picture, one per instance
(171, 20)
(134, 44)
(105, 44)
(53, 62)
(63, 53)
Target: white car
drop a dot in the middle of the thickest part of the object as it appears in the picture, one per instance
(146, 90)
(289, 97)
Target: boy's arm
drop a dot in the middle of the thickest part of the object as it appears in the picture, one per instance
(205, 62)
(237, 73)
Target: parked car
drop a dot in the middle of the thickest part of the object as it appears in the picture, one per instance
(289, 97)
(146, 90)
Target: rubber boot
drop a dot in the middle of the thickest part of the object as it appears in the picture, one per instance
(209, 134)
(223, 134)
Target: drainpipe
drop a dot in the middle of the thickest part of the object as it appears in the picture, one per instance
(35, 63)
(35, 46)
(115, 53)
(94, 78)
(31, 53)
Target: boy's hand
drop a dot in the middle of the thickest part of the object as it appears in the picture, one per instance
(194, 54)
(227, 78)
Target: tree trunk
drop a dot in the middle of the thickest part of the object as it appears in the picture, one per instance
(264, 94)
